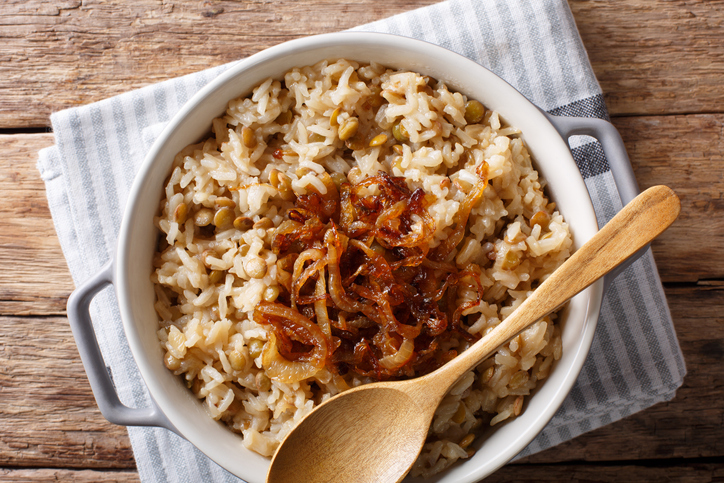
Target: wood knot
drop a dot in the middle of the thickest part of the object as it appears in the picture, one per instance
(213, 12)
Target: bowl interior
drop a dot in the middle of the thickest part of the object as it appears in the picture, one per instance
(138, 235)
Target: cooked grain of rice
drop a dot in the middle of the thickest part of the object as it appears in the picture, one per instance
(209, 275)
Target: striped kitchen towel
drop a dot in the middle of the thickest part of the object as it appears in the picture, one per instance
(635, 360)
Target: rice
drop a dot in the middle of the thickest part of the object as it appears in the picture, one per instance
(227, 197)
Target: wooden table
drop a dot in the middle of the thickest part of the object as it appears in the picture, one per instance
(660, 64)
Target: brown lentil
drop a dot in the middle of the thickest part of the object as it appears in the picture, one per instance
(264, 223)
(227, 202)
(284, 118)
(215, 276)
(355, 143)
(474, 112)
(237, 360)
(467, 440)
(400, 132)
(179, 214)
(348, 128)
(255, 267)
(316, 138)
(255, 348)
(263, 383)
(338, 179)
(224, 217)
(511, 261)
(333, 118)
(271, 293)
(378, 140)
(203, 217)
(243, 223)
(248, 137)
(283, 183)
(459, 415)
(375, 100)
(540, 218)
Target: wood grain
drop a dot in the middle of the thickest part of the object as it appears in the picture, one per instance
(39, 282)
(655, 57)
(650, 57)
(46, 475)
(660, 64)
(687, 154)
(42, 379)
(685, 473)
(77, 436)
(48, 417)
(683, 152)
(689, 426)
(71, 53)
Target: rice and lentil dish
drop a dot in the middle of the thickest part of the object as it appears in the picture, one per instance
(347, 224)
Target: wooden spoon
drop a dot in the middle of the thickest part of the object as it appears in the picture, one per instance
(374, 433)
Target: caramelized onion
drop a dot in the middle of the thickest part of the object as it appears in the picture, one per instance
(336, 290)
(282, 369)
(365, 292)
(301, 275)
(320, 306)
(400, 357)
(291, 324)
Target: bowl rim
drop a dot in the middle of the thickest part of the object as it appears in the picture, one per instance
(123, 276)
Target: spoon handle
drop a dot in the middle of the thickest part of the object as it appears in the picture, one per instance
(639, 222)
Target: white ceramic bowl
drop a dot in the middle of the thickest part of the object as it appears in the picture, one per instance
(138, 237)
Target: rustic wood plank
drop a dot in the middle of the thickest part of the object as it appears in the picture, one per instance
(684, 152)
(689, 426)
(686, 472)
(683, 472)
(39, 281)
(687, 154)
(47, 475)
(84, 52)
(77, 436)
(651, 57)
(42, 380)
(655, 57)
(48, 417)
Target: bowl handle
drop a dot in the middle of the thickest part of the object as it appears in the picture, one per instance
(615, 151)
(100, 380)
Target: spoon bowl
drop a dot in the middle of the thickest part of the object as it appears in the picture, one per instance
(384, 407)
(375, 432)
